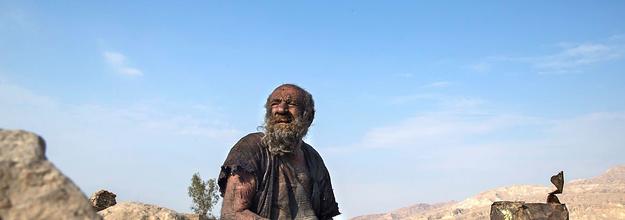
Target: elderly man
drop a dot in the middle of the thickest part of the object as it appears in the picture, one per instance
(274, 174)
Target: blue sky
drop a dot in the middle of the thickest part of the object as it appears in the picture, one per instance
(416, 101)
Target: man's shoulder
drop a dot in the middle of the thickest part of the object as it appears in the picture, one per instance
(311, 151)
(254, 137)
(249, 142)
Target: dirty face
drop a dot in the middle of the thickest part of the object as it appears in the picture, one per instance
(286, 122)
(285, 105)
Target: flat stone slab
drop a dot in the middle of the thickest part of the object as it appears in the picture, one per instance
(507, 210)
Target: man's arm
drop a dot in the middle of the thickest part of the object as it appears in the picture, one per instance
(238, 196)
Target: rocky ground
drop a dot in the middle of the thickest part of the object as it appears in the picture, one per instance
(31, 187)
(136, 210)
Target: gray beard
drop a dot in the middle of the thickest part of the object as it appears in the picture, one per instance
(283, 139)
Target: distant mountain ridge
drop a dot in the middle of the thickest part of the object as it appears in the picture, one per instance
(600, 197)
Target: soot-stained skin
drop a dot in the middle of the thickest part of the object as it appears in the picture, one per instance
(238, 197)
(285, 103)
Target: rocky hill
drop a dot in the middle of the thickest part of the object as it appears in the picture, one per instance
(601, 197)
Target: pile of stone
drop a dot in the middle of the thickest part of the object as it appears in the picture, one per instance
(552, 210)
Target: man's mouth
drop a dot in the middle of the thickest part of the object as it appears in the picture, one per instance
(282, 121)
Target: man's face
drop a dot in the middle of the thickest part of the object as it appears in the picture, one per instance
(285, 105)
(285, 125)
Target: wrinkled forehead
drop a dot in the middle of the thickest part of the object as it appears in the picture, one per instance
(287, 93)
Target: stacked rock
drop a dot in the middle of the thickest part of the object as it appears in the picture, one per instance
(103, 199)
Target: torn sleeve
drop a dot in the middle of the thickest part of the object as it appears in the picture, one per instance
(243, 157)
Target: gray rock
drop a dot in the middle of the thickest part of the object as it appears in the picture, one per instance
(506, 210)
(31, 187)
(103, 199)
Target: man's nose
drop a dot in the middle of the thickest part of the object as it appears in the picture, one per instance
(282, 107)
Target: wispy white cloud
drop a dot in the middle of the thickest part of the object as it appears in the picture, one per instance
(439, 84)
(598, 131)
(440, 129)
(449, 103)
(119, 62)
(477, 147)
(453, 119)
(575, 56)
(16, 96)
(570, 57)
(414, 97)
(32, 110)
(148, 142)
(468, 140)
(156, 117)
(457, 118)
(462, 104)
(481, 67)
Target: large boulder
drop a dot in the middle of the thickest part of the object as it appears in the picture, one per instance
(31, 187)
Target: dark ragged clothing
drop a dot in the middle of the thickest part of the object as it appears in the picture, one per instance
(251, 156)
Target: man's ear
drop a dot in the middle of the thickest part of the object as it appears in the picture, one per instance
(310, 116)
